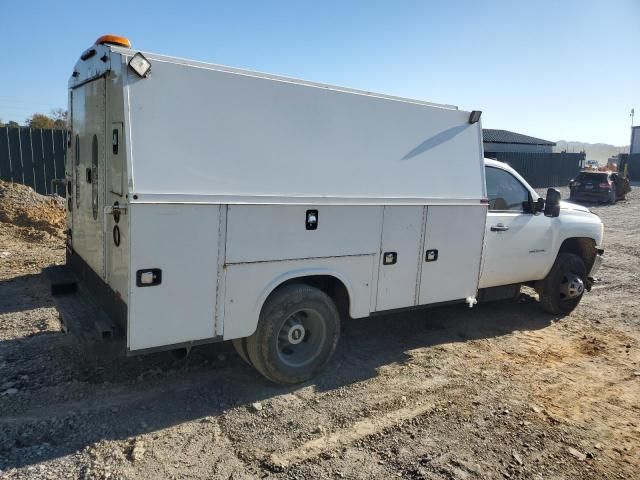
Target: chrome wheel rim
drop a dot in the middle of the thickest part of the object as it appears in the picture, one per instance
(301, 337)
(571, 286)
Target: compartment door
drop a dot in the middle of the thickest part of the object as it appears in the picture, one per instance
(116, 239)
(177, 244)
(88, 150)
(451, 253)
(399, 256)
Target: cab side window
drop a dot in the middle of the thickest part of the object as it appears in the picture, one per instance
(505, 192)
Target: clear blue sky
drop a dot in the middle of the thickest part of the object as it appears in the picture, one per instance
(556, 69)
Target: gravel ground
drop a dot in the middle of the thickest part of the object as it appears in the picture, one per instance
(503, 390)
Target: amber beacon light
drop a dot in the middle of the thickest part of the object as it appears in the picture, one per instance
(114, 40)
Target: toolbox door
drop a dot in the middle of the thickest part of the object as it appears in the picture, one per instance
(451, 254)
(174, 273)
(88, 172)
(399, 256)
(116, 231)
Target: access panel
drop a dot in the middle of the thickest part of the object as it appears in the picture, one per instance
(452, 252)
(399, 256)
(173, 273)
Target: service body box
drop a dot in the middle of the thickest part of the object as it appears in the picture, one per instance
(209, 186)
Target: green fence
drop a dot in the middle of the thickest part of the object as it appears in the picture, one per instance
(542, 169)
(34, 157)
(632, 164)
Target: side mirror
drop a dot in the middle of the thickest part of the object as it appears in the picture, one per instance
(538, 206)
(552, 203)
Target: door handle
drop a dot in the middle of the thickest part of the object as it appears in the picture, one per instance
(115, 210)
(499, 228)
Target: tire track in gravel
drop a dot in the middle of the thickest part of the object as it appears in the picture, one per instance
(347, 436)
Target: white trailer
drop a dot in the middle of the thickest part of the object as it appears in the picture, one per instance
(208, 203)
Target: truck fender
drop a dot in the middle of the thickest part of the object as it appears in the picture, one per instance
(584, 246)
(303, 273)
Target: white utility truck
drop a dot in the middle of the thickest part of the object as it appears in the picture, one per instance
(208, 203)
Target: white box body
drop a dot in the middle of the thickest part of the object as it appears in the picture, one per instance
(216, 170)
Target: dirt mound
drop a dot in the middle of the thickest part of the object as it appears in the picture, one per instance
(31, 212)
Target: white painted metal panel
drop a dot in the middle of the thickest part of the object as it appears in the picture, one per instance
(520, 254)
(182, 240)
(116, 256)
(89, 116)
(401, 234)
(255, 136)
(258, 233)
(247, 285)
(457, 233)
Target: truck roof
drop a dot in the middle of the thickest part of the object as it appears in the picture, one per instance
(280, 78)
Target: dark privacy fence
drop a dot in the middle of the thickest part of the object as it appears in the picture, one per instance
(34, 157)
(542, 169)
(632, 162)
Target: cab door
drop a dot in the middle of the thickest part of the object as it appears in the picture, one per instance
(517, 242)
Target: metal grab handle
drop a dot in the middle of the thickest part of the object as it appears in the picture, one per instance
(115, 210)
(499, 228)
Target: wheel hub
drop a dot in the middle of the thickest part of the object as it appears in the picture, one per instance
(301, 338)
(572, 287)
(296, 334)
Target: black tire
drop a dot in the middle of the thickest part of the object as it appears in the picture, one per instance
(240, 345)
(296, 313)
(552, 292)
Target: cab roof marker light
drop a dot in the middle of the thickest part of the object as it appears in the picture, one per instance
(474, 117)
(114, 40)
(140, 65)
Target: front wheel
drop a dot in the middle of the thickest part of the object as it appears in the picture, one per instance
(296, 335)
(562, 289)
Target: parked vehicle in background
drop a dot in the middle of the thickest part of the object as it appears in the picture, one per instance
(602, 187)
(591, 165)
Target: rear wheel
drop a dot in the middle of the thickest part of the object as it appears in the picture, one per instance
(240, 345)
(561, 291)
(296, 335)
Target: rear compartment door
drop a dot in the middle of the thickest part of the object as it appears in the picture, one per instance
(88, 150)
(116, 231)
(401, 245)
(179, 244)
(452, 252)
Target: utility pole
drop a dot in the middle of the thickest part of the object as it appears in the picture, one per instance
(632, 115)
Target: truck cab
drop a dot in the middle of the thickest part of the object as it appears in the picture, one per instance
(524, 243)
